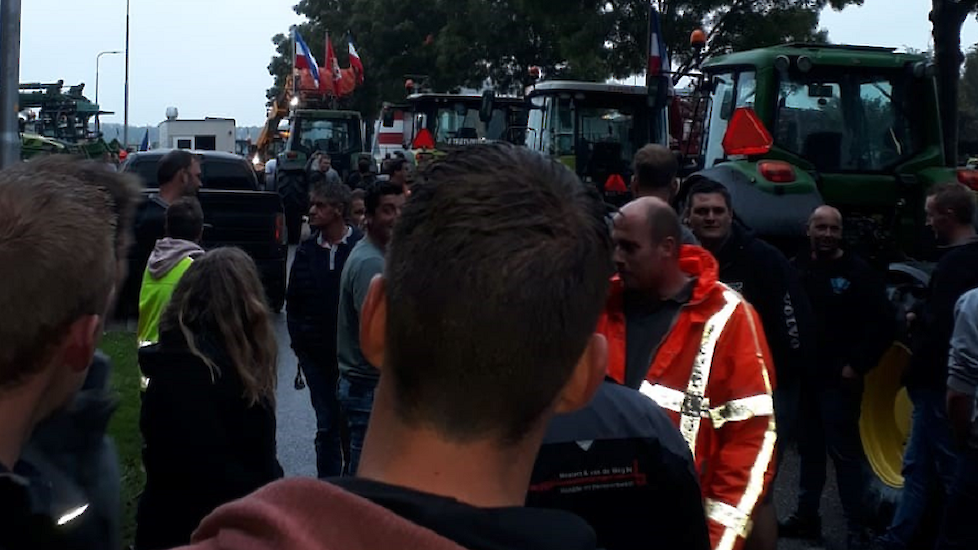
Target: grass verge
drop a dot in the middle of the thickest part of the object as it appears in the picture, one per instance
(124, 427)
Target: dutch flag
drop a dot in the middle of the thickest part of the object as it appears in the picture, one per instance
(305, 60)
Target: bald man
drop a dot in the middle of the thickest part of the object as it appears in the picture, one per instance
(854, 325)
(695, 347)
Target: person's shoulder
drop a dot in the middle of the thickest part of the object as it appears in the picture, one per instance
(967, 304)
(616, 412)
(291, 512)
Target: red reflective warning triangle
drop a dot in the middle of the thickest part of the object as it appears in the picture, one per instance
(746, 134)
(615, 184)
(423, 140)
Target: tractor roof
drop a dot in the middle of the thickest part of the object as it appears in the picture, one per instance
(572, 86)
(820, 54)
(327, 114)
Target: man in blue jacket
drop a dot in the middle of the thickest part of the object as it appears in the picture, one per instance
(313, 301)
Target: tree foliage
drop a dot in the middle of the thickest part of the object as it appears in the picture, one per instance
(968, 105)
(947, 17)
(458, 43)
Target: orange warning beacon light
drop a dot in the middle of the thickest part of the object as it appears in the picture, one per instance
(746, 134)
(697, 39)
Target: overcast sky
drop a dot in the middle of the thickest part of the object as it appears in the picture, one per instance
(210, 57)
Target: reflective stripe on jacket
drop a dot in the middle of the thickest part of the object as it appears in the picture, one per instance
(713, 375)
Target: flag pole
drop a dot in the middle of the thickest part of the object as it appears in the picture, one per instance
(295, 45)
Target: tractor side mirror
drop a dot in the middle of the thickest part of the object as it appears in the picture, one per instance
(487, 105)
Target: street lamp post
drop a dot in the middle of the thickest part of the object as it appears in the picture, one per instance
(125, 124)
(97, 59)
(9, 81)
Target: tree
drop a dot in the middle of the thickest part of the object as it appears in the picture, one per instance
(947, 17)
(465, 42)
(968, 105)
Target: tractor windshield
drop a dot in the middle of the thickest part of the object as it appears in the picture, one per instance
(599, 130)
(329, 135)
(459, 124)
(848, 121)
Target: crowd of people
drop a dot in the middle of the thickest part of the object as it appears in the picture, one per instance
(495, 360)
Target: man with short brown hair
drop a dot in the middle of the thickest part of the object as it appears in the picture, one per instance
(654, 170)
(931, 457)
(53, 227)
(654, 173)
(70, 450)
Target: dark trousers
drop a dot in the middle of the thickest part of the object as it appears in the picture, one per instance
(930, 457)
(332, 440)
(959, 531)
(830, 422)
(357, 398)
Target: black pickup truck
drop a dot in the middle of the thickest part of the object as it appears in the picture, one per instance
(236, 213)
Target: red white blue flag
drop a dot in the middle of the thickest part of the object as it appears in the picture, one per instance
(658, 60)
(304, 59)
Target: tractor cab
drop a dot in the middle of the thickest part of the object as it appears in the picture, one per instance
(445, 121)
(852, 126)
(594, 129)
(337, 133)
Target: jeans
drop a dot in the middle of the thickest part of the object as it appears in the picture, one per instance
(332, 440)
(830, 425)
(958, 530)
(357, 398)
(930, 457)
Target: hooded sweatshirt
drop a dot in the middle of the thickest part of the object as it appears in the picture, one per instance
(167, 264)
(359, 514)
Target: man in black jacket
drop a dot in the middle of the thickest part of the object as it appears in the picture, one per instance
(854, 325)
(53, 225)
(763, 276)
(931, 455)
(177, 175)
(313, 302)
(621, 465)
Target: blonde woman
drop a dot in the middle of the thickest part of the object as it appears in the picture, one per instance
(208, 414)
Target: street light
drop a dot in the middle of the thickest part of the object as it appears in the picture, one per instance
(125, 124)
(97, 59)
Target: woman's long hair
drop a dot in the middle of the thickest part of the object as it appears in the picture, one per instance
(219, 308)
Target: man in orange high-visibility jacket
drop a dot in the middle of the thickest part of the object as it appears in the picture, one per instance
(697, 348)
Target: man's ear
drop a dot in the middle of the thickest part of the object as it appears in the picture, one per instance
(373, 322)
(671, 247)
(587, 376)
(79, 345)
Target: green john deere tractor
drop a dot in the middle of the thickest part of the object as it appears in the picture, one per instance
(792, 127)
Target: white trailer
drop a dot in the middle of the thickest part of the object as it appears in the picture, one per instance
(208, 134)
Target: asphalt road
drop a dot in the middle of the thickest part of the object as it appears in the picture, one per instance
(297, 426)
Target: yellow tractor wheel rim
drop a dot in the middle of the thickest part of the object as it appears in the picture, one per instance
(884, 424)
